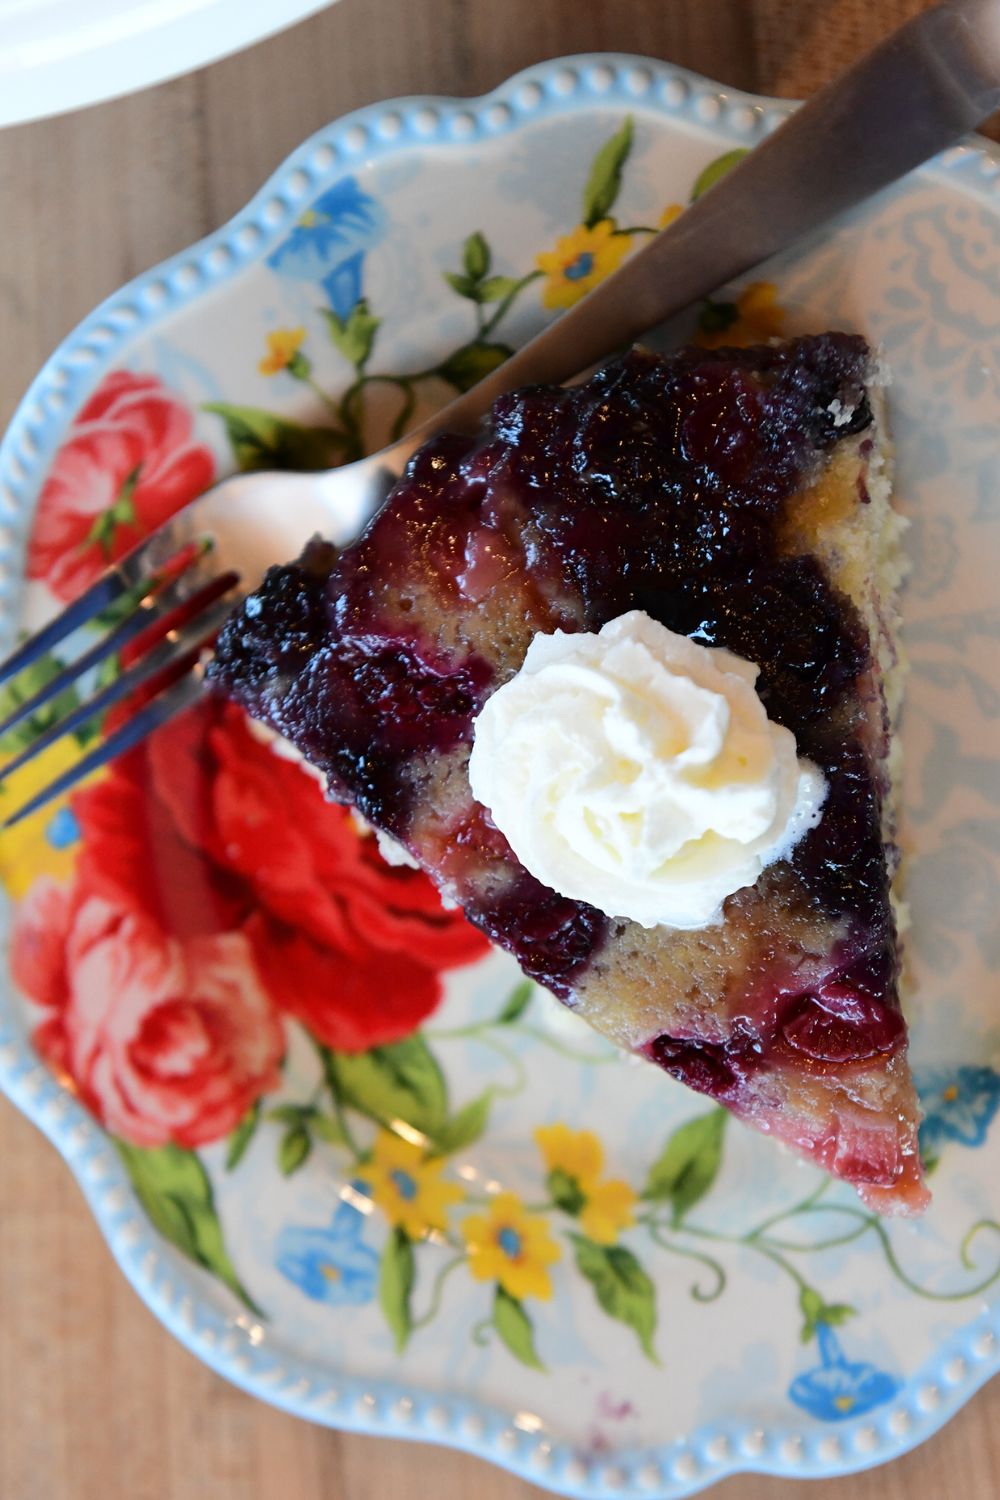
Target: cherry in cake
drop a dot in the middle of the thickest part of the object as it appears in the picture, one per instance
(738, 498)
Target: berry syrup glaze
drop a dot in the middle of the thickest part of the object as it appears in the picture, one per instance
(668, 485)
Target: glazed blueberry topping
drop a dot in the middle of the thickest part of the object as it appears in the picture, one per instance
(842, 1024)
(714, 1068)
(657, 485)
(273, 635)
(836, 1026)
(554, 936)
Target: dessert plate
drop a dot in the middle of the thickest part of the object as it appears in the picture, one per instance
(342, 1151)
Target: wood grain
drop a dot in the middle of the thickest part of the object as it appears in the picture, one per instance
(97, 1401)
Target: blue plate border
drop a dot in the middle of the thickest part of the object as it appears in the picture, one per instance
(234, 1344)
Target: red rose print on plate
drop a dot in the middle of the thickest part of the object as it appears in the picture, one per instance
(166, 1040)
(349, 946)
(217, 891)
(128, 464)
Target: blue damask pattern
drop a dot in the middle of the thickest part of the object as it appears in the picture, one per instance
(942, 311)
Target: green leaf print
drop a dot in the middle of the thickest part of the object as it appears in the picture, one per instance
(173, 1188)
(815, 1311)
(621, 1286)
(518, 1001)
(24, 686)
(293, 1150)
(472, 363)
(566, 1192)
(689, 1163)
(353, 336)
(466, 1126)
(290, 1114)
(515, 1328)
(473, 282)
(120, 513)
(303, 1120)
(495, 288)
(260, 440)
(395, 1286)
(605, 179)
(716, 170)
(463, 285)
(399, 1082)
(242, 1136)
(476, 256)
(327, 1128)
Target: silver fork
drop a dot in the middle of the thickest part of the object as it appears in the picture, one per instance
(914, 95)
(167, 595)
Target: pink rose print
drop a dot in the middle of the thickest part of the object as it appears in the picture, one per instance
(128, 464)
(216, 891)
(165, 1040)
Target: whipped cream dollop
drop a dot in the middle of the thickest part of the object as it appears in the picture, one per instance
(638, 771)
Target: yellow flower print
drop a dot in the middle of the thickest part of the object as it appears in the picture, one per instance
(575, 1159)
(610, 1208)
(283, 346)
(578, 1153)
(511, 1246)
(46, 842)
(580, 260)
(407, 1186)
(758, 318)
(670, 213)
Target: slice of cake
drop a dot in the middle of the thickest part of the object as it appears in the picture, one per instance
(728, 915)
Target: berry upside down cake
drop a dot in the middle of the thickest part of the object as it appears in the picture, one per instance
(620, 674)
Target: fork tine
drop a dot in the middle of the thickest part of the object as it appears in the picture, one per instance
(178, 643)
(106, 590)
(166, 705)
(152, 606)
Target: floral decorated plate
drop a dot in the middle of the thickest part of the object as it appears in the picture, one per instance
(340, 1148)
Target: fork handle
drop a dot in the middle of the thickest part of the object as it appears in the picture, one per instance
(917, 93)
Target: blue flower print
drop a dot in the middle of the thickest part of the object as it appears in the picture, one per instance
(959, 1104)
(329, 242)
(330, 1265)
(838, 1388)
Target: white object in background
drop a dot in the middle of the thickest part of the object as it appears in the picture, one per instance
(57, 55)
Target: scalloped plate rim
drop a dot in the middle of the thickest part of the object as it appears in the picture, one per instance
(712, 1452)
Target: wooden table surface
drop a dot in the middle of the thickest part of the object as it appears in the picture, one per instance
(97, 1401)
